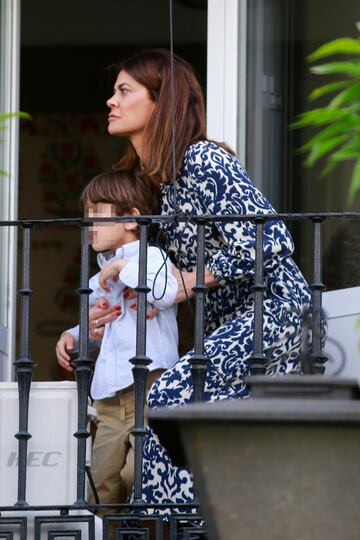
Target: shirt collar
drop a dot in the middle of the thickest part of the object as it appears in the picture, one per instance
(126, 251)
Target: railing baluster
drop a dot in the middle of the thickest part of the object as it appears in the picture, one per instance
(318, 358)
(83, 366)
(199, 360)
(313, 359)
(258, 359)
(24, 367)
(140, 362)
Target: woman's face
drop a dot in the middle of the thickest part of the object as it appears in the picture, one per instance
(130, 107)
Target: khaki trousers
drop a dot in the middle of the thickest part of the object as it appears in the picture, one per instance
(112, 465)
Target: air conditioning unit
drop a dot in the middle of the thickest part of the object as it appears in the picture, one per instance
(342, 309)
(52, 449)
(51, 460)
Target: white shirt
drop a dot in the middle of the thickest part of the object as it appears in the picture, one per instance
(112, 367)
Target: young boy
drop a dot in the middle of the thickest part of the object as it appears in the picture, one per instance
(108, 195)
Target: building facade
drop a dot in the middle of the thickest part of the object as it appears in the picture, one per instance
(251, 59)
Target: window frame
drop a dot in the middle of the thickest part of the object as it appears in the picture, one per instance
(226, 73)
(9, 102)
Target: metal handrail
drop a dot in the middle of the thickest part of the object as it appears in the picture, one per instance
(24, 365)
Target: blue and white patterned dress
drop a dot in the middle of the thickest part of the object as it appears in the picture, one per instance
(212, 181)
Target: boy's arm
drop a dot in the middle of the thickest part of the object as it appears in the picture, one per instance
(160, 279)
(69, 339)
(111, 271)
(64, 347)
(74, 332)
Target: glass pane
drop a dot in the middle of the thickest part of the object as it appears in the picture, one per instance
(265, 106)
(66, 52)
(281, 34)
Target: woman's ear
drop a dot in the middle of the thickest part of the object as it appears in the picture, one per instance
(132, 226)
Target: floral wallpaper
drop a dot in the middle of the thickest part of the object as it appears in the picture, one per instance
(59, 154)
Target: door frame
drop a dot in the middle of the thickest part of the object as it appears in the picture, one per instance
(10, 70)
(226, 73)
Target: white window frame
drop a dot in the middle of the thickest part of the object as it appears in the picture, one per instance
(226, 73)
(10, 45)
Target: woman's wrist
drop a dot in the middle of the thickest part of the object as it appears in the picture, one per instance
(187, 281)
(210, 280)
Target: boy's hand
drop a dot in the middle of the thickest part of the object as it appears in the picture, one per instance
(63, 347)
(111, 271)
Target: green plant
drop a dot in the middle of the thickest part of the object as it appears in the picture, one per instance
(338, 123)
(6, 116)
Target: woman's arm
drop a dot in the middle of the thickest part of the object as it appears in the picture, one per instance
(160, 279)
(187, 281)
(224, 188)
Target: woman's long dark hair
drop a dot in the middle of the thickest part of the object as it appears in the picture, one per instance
(152, 69)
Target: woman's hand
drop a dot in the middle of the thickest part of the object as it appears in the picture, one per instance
(63, 347)
(130, 294)
(99, 315)
(187, 281)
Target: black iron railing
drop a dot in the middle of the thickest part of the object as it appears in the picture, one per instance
(24, 366)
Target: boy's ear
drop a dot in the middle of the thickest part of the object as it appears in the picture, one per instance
(134, 225)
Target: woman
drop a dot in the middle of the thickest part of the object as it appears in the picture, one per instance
(208, 180)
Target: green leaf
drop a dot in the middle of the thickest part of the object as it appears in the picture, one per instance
(321, 149)
(330, 166)
(357, 323)
(326, 133)
(319, 117)
(349, 151)
(348, 68)
(349, 95)
(338, 136)
(355, 181)
(18, 114)
(337, 46)
(345, 154)
(327, 88)
(25, 115)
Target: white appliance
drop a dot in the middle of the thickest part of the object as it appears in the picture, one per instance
(342, 308)
(52, 449)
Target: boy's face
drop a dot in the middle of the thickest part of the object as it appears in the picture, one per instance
(108, 236)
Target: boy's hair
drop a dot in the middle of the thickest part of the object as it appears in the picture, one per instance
(125, 190)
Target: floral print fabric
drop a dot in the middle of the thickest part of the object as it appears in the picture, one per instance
(212, 181)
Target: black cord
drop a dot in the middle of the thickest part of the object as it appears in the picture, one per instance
(165, 257)
(92, 484)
